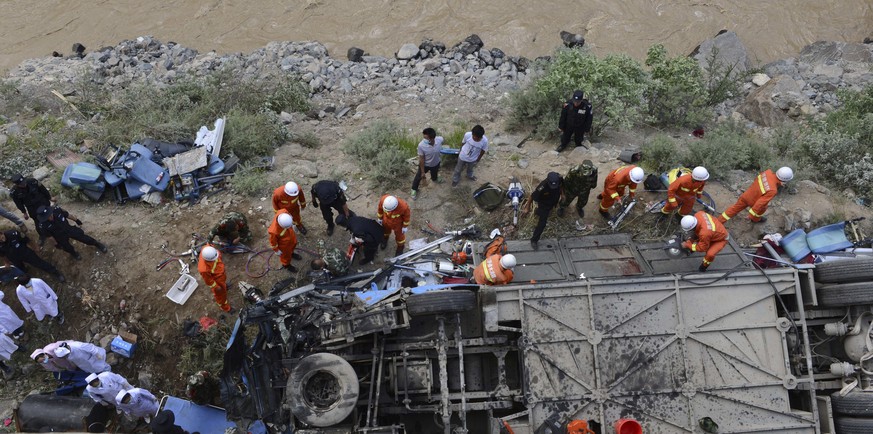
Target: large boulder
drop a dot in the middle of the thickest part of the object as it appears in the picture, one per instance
(830, 52)
(763, 109)
(725, 50)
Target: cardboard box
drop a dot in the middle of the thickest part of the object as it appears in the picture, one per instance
(124, 344)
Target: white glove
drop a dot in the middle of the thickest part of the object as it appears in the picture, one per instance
(379, 221)
(358, 240)
(404, 230)
(279, 252)
(494, 233)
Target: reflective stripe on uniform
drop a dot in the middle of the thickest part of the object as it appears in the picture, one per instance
(487, 270)
(214, 264)
(725, 216)
(761, 182)
(613, 195)
(671, 200)
(710, 222)
(753, 213)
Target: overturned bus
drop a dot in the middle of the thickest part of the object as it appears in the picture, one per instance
(597, 328)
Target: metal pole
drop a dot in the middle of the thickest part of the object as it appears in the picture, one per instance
(379, 382)
(444, 376)
(459, 342)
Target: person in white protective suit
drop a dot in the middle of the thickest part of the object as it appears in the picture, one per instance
(36, 296)
(104, 387)
(85, 356)
(137, 403)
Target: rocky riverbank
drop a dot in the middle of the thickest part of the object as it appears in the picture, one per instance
(787, 89)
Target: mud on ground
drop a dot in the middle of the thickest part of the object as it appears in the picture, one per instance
(122, 290)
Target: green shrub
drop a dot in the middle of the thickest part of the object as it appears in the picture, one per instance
(728, 147)
(382, 150)
(307, 139)
(854, 117)
(676, 92)
(838, 158)
(614, 85)
(43, 135)
(252, 183)
(176, 111)
(660, 154)
(252, 135)
(723, 81)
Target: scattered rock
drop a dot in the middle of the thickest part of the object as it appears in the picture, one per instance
(760, 79)
(572, 40)
(286, 118)
(79, 49)
(523, 163)
(112, 359)
(105, 341)
(355, 54)
(41, 173)
(144, 380)
(407, 51)
(469, 45)
(306, 169)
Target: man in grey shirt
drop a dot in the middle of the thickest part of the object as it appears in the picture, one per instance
(428, 159)
(473, 148)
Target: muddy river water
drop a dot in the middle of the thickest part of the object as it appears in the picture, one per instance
(771, 29)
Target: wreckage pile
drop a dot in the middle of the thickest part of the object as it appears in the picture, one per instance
(150, 167)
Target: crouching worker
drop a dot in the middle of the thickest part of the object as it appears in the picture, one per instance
(709, 237)
(497, 267)
(233, 228)
(367, 235)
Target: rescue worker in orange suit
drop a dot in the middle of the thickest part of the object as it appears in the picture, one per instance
(709, 237)
(613, 188)
(685, 190)
(283, 240)
(497, 267)
(211, 269)
(290, 198)
(758, 195)
(393, 214)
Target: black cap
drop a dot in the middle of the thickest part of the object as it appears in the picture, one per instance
(578, 95)
(16, 178)
(554, 180)
(164, 419)
(43, 213)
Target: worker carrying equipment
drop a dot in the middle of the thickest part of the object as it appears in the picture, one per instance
(497, 267)
(211, 269)
(710, 236)
(613, 187)
(684, 191)
(292, 200)
(283, 240)
(758, 195)
(394, 214)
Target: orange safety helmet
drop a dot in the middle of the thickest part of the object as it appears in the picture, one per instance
(459, 258)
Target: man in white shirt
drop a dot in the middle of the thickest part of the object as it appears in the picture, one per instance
(428, 159)
(473, 148)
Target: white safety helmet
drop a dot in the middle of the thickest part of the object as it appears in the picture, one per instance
(785, 174)
(688, 223)
(209, 253)
(637, 175)
(390, 203)
(507, 261)
(285, 220)
(292, 189)
(700, 173)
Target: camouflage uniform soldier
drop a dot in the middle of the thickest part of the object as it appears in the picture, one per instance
(333, 261)
(336, 262)
(578, 184)
(233, 228)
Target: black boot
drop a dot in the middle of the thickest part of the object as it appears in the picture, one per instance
(605, 215)
(330, 230)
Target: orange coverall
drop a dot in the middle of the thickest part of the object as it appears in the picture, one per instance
(282, 240)
(490, 272)
(756, 197)
(613, 187)
(292, 205)
(711, 237)
(395, 221)
(214, 276)
(682, 194)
